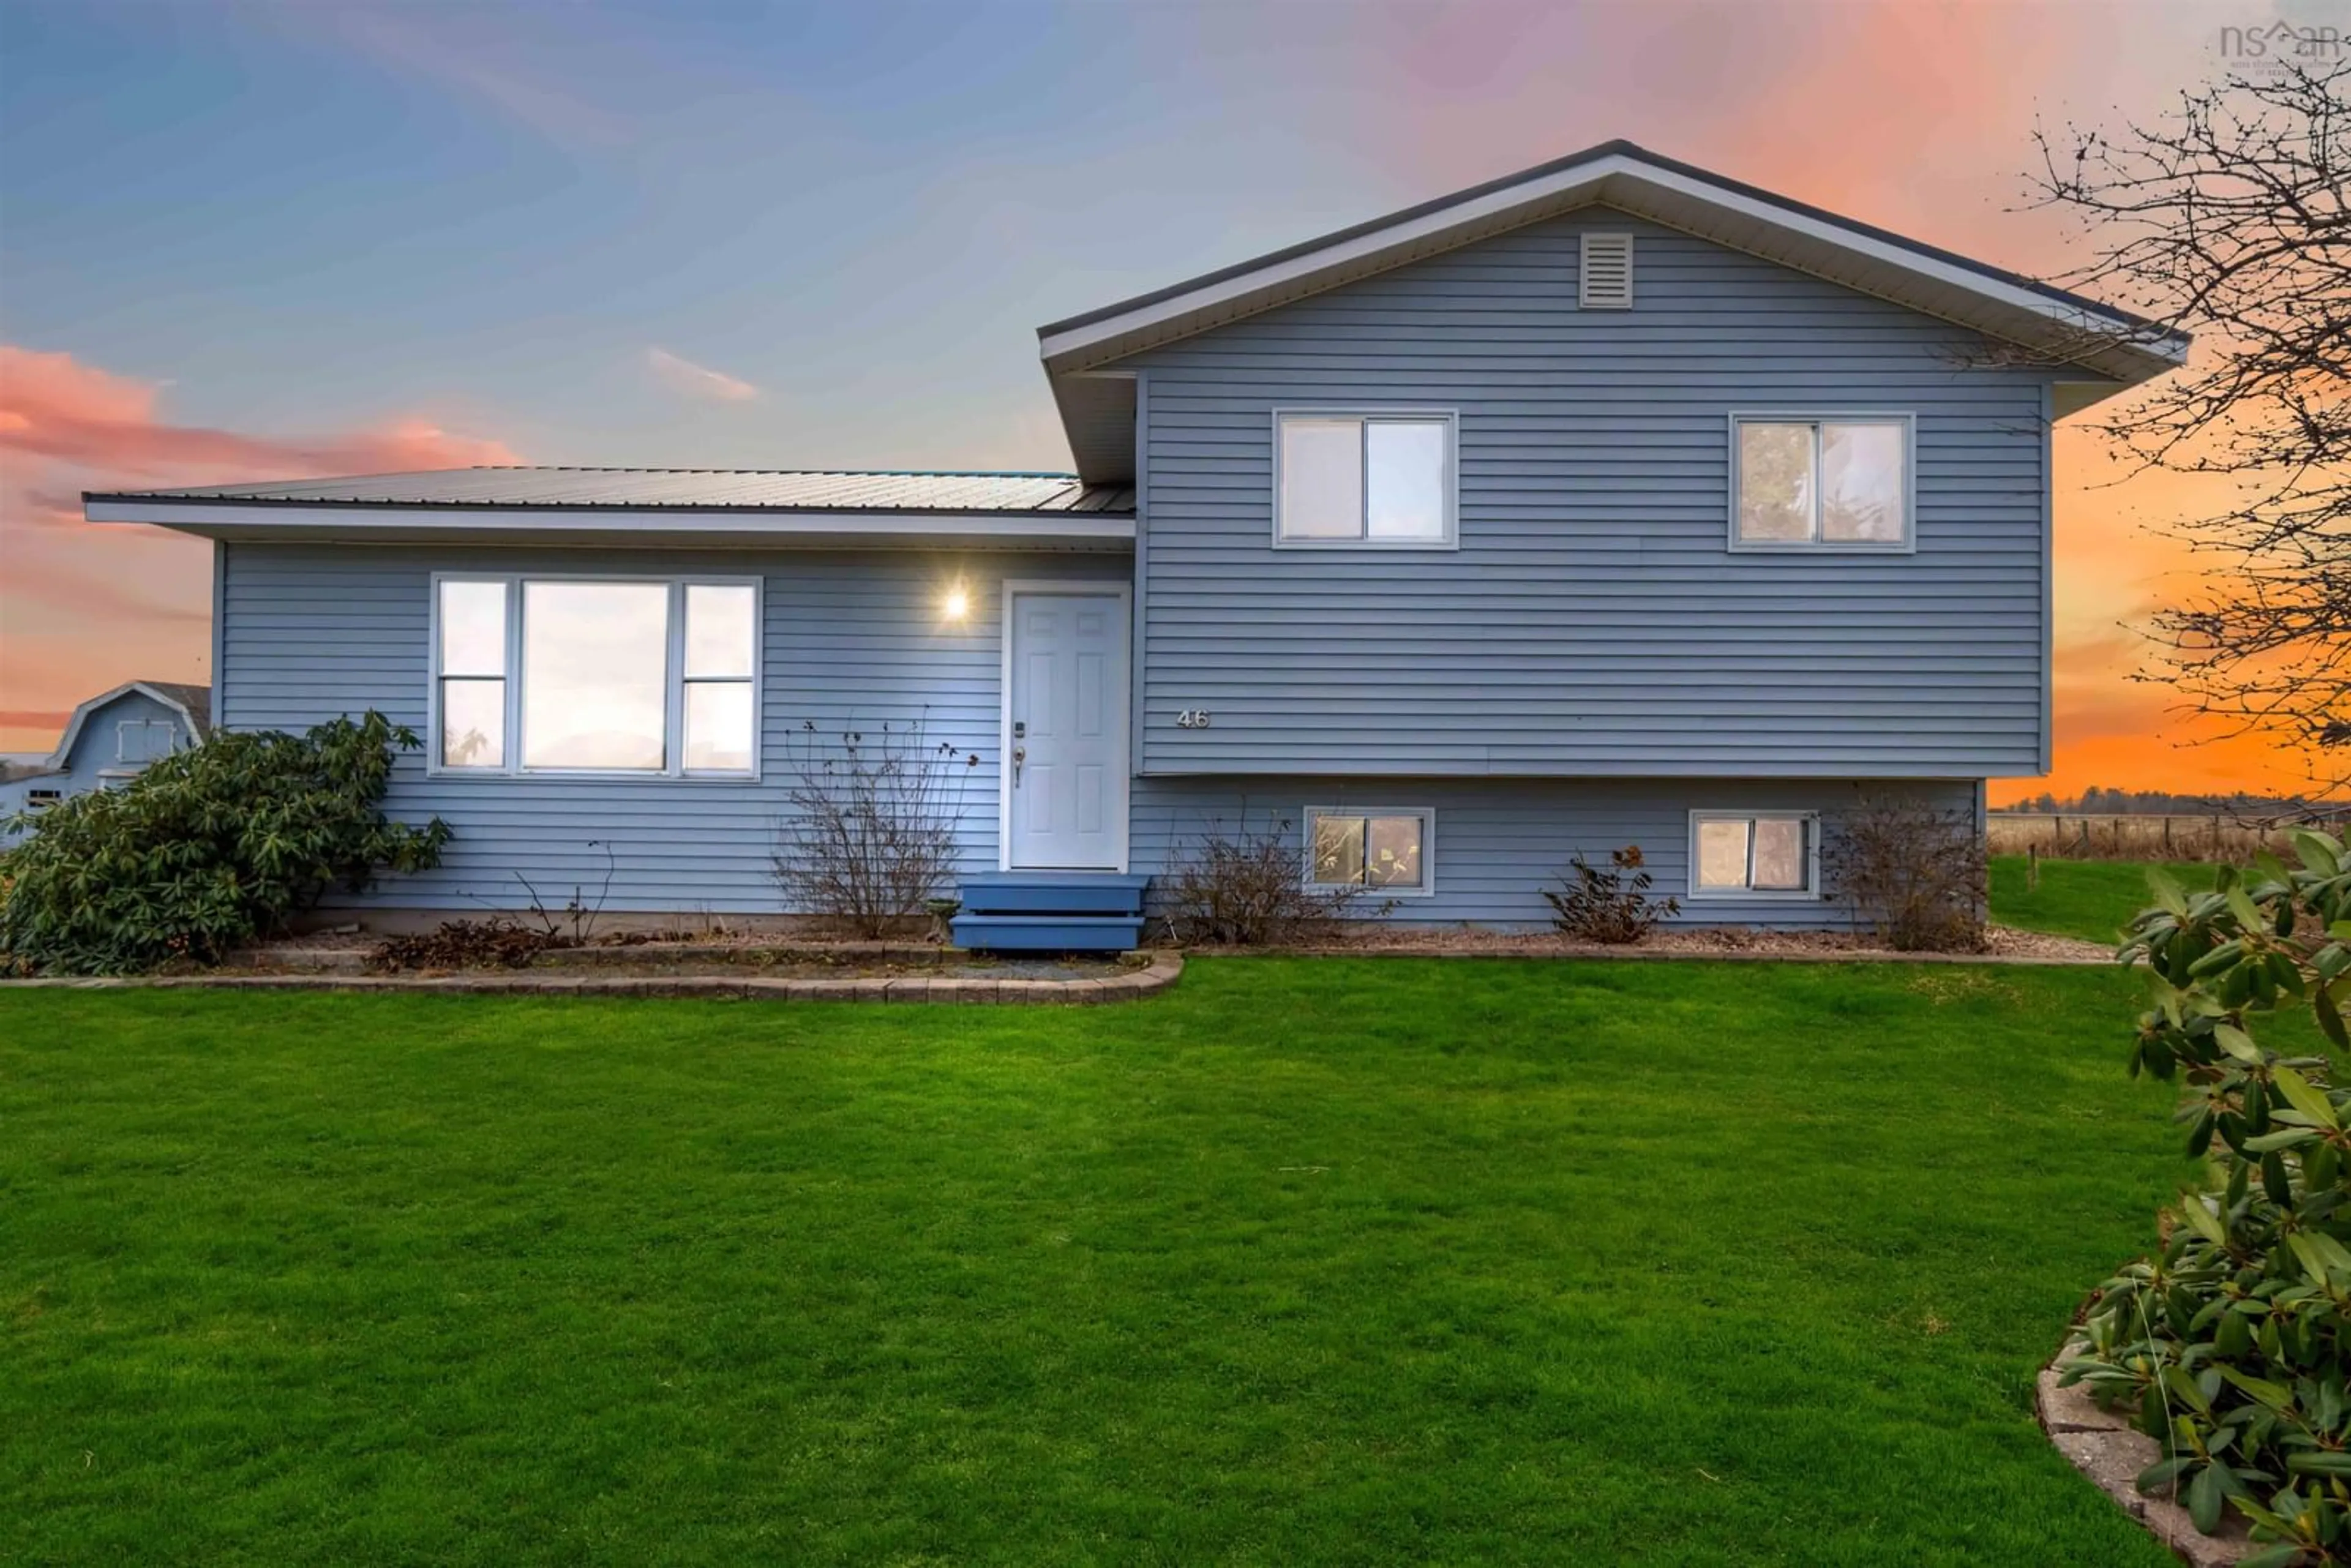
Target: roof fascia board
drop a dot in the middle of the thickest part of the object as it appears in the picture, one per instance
(1363, 246)
(1557, 188)
(2073, 316)
(260, 520)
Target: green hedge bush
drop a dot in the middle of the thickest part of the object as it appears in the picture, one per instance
(206, 849)
(2232, 1345)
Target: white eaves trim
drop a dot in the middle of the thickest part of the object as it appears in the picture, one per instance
(1430, 229)
(644, 525)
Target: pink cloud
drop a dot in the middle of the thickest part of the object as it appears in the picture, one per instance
(53, 407)
(90, 607)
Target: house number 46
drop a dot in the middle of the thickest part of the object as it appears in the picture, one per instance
(1192, 719)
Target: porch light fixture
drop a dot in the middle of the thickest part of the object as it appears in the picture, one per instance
(956, 605)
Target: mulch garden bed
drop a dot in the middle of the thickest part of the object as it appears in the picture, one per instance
(507, 959)
(478, 946)
(768, 958)
(2003, 944)
(757, 966)
(968, 985)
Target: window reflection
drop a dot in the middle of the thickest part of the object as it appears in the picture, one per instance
(1775, 481)
(1861, 482)
(595, 675)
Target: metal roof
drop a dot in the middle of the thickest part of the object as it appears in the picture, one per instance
(2113, 348)
(698, 489)
(195, 701)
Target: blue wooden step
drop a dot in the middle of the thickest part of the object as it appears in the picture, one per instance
(1048, 933)
(1053, 893)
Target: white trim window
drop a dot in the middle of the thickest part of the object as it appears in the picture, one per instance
(611, 676)
(1356, 478)
(721, 676)
(1754, 854)
(1830, 481)
(1386, 850)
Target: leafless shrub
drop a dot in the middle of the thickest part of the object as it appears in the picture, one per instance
(1915, 872)
(1247, 888)
(576, 913)
(873, 829)
(1612, 905)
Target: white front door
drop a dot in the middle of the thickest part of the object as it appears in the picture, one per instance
(1065, 730)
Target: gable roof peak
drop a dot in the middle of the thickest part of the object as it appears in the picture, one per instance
(192, 702)
(2111, 346)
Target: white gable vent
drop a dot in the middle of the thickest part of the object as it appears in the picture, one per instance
(1606, 282)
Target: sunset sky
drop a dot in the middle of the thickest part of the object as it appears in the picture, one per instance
(255, 241)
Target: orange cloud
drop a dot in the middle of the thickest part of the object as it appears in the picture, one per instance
(85, 608)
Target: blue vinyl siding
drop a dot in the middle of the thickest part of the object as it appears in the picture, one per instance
(1499, 842)
(316, 631)
(1592, 664)
(1593, 621)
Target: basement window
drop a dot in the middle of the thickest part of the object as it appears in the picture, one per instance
(1747, 854)
(596, 675)
(1382, 851)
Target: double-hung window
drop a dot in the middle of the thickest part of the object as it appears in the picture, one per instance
(567, 674)
(1385, 850)
(1839, 482)
(1735, 853)
(1383, 479)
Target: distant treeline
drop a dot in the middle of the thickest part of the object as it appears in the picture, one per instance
(2095, 801)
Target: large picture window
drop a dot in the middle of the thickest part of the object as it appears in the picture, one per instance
(563, 675)
(1834, 483)
(1364, 478)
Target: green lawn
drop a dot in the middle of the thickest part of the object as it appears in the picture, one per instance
(1308, 1261)
(2089, 899)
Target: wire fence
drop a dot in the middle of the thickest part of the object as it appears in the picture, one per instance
(2079, 835)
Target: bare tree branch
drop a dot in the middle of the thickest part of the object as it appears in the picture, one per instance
(2228, 218)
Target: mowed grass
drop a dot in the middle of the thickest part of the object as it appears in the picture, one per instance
(1308, 1261)
(2090, 899)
